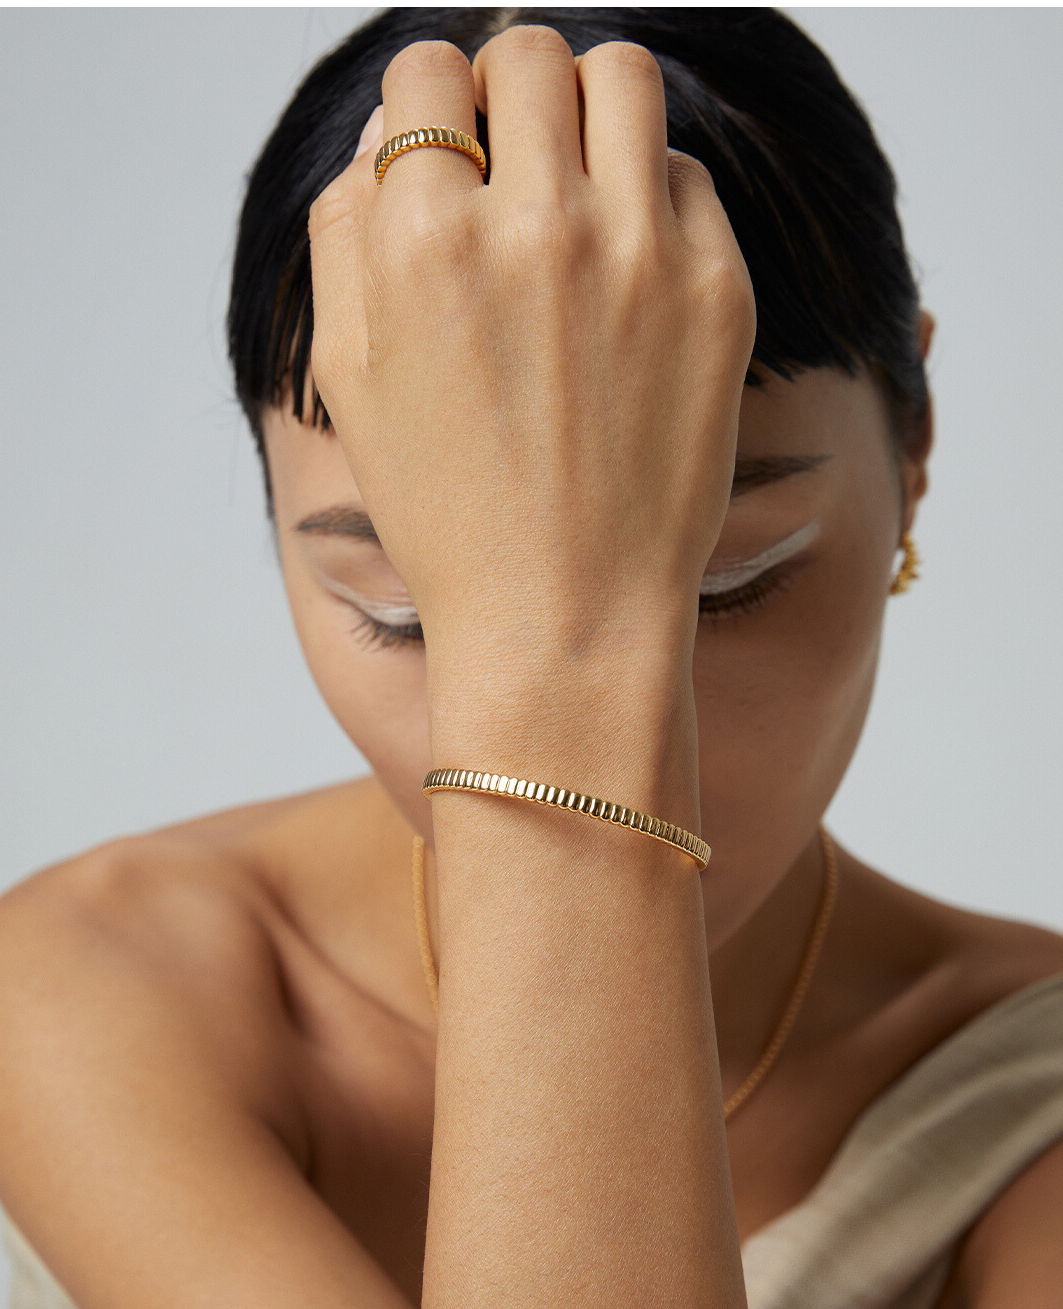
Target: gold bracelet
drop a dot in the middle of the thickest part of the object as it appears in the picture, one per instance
(461, 779)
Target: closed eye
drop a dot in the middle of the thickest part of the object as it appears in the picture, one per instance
(743, 599)
(725, 591)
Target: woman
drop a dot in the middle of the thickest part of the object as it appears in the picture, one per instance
(607, 463)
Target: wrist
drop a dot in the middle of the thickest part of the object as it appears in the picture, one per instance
(620, 725)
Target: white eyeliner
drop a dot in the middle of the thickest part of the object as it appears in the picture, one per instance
(713, 583)
(718, 581)
(383, 613)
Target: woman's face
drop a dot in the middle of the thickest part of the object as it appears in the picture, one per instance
(783, 670)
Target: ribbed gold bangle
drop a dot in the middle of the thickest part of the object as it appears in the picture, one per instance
(462, 779)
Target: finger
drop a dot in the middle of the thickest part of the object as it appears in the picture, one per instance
(526, 85)
(429, 84)
(337, 229)
(625, 126)
(372, 132)
(703, 220)
(693, 196)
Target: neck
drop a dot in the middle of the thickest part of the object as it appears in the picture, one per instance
(753, 965)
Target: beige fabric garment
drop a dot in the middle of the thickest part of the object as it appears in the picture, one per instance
(879, 1229)
(923, 1160)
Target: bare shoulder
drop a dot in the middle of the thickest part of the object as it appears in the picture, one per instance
(962, 962)
(928, 957)
(208, 867)
(226, 859)
(1012, 1253)
(992, 957)
(138, 933)
(175, 921)
(148, 1108)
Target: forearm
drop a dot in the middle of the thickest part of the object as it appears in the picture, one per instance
(541, 481)
(579, 1155)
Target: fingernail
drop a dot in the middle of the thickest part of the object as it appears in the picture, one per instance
(372, 132)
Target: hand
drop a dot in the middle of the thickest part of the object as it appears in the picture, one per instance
(536, 382)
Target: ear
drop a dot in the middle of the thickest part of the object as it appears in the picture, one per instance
(913, 467)
(927, 323)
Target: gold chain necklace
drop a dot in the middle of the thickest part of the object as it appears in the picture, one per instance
(786, 1022)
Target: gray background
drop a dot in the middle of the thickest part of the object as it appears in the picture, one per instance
(148, 666)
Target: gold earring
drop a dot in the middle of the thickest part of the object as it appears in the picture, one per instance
(909, 569)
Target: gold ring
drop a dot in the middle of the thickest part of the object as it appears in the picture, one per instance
(444, 136)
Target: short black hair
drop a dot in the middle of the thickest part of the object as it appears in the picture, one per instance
(809, 194)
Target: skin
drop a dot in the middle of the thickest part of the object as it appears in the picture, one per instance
(785, 689)
(255, 975)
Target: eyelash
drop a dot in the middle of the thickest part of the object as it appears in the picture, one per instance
(384, 634)
(746, 598)
(742, 600)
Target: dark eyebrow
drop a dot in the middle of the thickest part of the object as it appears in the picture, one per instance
(751, 473)
(340, 520)
(354, 523)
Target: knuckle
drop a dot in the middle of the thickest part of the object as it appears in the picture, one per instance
(545, 234)
(625, 57)
(686, 169)
(324, 357)
(425, 227)
(330, 207)
(425, 241)
(729, 293)
(745, 313)
(531, 38)
(423, 59)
